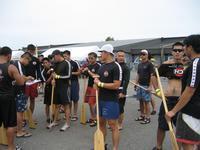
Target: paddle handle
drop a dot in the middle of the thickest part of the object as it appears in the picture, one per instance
(172, 135)
(51, 107)
(97, 108)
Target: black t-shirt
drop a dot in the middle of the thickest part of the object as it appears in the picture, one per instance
(145, 70)
(21, 69)
(63, 69)
(33, 68)
(94, 69)
(46, 74)
(75, 67)
(171, 71)
(125, 78)
(6, 87)
(191, 78)
(108, 73)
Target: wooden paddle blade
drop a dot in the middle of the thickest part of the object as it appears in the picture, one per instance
(3, 137)
(30, 120)
(98, 140)
(173, 141)
(83, 114)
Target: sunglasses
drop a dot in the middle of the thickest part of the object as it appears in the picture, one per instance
(177, 50)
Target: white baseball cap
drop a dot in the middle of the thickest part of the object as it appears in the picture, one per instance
(107, 48)
(144, 51)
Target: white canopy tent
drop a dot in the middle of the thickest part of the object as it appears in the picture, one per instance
(77, 53)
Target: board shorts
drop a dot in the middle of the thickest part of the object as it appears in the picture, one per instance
(47, 94)
(109, 109)
(21, 102)
(61, 95)
(171, 102)
(90, 96)
(74, 90)
(8, 114)
(143, 95)
(31, 90)
(184, 133)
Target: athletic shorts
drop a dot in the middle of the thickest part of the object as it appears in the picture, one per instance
(122, 102)
(74, 91)
(162, 123)
(143, 94)
(61, 95)
(90, 96)
(109, 110)
(31, 90)
(47, 94)
(21, 102)
(8, 114)
(184, 133)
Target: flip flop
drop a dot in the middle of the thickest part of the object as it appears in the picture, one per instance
(26, 134)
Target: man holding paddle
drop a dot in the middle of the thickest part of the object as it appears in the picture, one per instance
(173, 70)
(108, 83)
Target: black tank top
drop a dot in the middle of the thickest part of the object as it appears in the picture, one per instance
(6, 86)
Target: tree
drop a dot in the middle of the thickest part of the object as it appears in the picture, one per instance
(109, 38)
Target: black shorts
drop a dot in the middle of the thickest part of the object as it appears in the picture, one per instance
(8, 113)
(162, 123)
(122, 102)
(74, 91)
(61, 95)
(47, 94)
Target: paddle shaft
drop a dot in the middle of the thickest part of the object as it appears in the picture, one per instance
(51, 107)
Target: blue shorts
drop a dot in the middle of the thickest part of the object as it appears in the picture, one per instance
(74, 91)
(143, 94)
(109, 109)
(21, 102)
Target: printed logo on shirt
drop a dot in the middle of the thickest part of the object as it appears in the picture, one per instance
(178, 72)
(34, 63)
(93, 70)
(106, 74)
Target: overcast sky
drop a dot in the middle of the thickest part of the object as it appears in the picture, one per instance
(44, 22)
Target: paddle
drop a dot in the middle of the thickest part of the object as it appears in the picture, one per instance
(98, 136)
(3, 137)
(51, 107)
(171, 132)
(83, 109)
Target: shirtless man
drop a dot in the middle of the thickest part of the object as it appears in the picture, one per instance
(173, 70)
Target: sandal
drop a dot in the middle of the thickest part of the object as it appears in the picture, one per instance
(89, 120)
(146, 121)
(93, 123)
(26, 134)
(140, 118)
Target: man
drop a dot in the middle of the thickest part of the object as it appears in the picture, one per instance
(173, 70)
(188, 106)
(20, 97)
(8, 73)
(120, 57)
(46, 75)
(90, 96)
(144, 73)
(108, 83)
(74, 84)
(32, 69)
(62, 74)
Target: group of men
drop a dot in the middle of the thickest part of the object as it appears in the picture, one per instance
(111, 77)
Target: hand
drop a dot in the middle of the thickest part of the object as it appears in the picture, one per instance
(85, 69)
(53, 82)
(158, 93)
(96, 81)
(149, 89)
(169, 115)
(54, 75)
(30, 78)
(121, 95)
(49, 71)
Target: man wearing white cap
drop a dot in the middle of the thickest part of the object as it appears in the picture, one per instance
(144, 73)
(108, 83)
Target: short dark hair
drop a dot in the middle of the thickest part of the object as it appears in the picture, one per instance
(41, 56)
(45, 58)
(4, 51)
(67, 52)
(194, 41)
(177, 44)
(27, 55)
(120, 51)
(57, 52)
(93, 54)
(31, 47)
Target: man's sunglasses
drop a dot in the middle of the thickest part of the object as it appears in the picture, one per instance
(178, 50)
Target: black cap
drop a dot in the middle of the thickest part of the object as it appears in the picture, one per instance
(56, 52)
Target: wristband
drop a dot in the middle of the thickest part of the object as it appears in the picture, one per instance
(158, 92)
(102, 84)
(99, 84)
